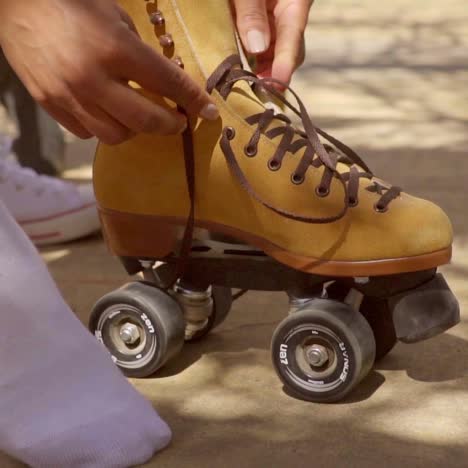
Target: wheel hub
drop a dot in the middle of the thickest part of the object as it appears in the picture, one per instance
(129, 333)
(316, 355)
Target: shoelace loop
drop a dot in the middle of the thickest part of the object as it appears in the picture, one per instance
(316, 154)
(223, 79)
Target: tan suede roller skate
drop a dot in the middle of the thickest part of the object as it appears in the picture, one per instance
(252, 202)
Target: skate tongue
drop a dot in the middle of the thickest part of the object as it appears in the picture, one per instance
(253, 100)
(209, 28)
(211, 35)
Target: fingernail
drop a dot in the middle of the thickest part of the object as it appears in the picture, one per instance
(256, 41)
(209, 112)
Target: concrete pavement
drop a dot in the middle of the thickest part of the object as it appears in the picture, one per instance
(389, 78)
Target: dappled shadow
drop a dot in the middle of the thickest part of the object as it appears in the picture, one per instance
(414, 34)
(390, 80)
(231, 408)
(250, 326)
(295, 439)
(84, 271)
(392, 84)
(251, 322)
(440, 359)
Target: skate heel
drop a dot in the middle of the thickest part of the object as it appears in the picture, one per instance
(138, 236)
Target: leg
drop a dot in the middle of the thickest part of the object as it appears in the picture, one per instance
(53, 370)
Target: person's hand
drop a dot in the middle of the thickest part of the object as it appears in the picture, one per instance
(76, 58)
(273, 31)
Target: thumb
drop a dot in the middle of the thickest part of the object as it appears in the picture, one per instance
(252, 24)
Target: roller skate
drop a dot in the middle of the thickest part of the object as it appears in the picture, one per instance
(251, 202)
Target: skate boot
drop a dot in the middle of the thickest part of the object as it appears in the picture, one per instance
(251, 202)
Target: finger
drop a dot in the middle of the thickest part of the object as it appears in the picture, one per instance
(252, 24)
(98, 122)
(283, 70)
(103, 126)
(159, 75)
(67, 120)
(264, 62)
(290, 26)
(138, 113)
(64, 99)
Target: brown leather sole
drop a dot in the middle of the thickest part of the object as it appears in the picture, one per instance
(140, 236)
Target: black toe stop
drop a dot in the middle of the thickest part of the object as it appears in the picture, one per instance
(425, 311)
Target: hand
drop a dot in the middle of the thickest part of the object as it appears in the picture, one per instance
(76, 58)
(273, 31)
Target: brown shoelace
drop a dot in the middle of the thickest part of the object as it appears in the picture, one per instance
(316, 154)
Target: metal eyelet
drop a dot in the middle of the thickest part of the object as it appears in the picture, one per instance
(380, 209)
(250, 151)
(322, 191)
(166, 41)
(157, 18)
(352, 202)
(297, 179)
(274, 165)
(178, 61)
(230, 133)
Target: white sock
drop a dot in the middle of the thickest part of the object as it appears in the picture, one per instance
(63, 403)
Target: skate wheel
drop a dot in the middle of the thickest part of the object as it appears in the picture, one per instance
(379, 315)
(141, 326)
(222, 303)
(323, 351)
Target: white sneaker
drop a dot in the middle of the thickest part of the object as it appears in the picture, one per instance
(48, 209)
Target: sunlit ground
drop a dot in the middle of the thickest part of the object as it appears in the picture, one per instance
(390, 79)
